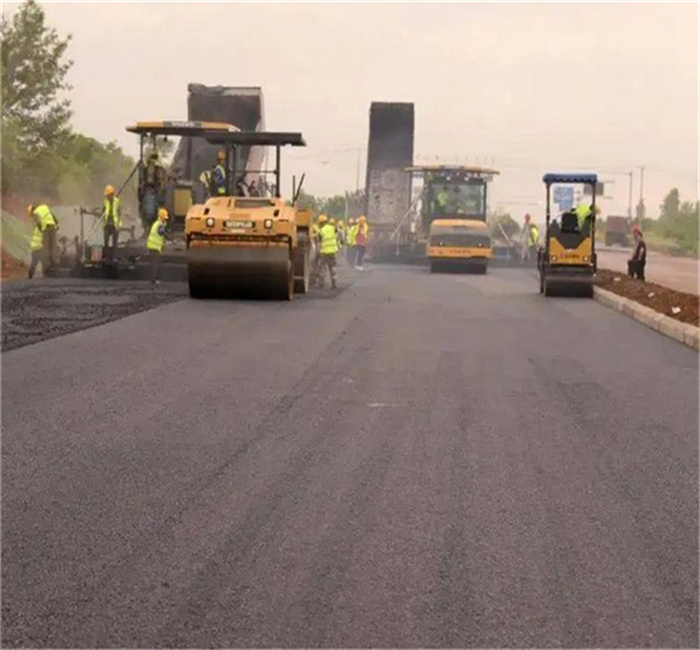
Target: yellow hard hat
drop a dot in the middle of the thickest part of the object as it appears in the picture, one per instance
(109, 190)
(322, 218)
(331, 221)
(163, 214)
(361, 219)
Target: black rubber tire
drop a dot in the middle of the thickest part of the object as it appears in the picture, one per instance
(546, 289)
(198, 290)
(284, 285)
(302, 266)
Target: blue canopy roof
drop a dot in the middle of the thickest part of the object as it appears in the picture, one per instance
(570, 178)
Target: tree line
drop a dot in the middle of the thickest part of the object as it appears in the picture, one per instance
(43, 158)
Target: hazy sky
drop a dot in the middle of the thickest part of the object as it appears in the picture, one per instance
(536, 87)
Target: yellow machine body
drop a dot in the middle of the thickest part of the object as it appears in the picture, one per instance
(246, 244)
(464, 243)
(581, 255)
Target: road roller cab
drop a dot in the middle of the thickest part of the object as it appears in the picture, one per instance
(567, 263)
(252, 245)
(157, 187)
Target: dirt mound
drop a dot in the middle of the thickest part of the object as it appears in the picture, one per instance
(651, 295)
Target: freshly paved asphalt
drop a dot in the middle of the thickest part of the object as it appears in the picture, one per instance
(419, 460)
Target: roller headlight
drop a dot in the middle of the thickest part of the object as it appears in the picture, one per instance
(268, 223)
(552, 258)
(210, 222)
(586, 258)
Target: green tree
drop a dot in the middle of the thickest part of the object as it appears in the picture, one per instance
(33, 76)
(641, 211)
(671, 205)
(35, 114)
(308, 202)
(334, 206)
(503, 222)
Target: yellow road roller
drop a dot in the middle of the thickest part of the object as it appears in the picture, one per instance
(459, 244)
(567, 263)
(249, 243)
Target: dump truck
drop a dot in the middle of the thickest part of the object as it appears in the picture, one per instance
(388, 186)
(617, 231)
(242, 106)
(256, 246)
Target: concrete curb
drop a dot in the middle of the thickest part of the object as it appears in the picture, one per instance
(682, 332)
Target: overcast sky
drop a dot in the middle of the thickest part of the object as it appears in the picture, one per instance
(533, 87)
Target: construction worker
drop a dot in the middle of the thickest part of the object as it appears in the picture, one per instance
(111, 216)
(636, 264)
(582, 212)
(351, 239)
(342, 237)
(36, 245)
(48, 225)
(441, 199)
(218, 175)
(530, 238)
(361, 241)
(155, 243)
(315, 252)
(329, 248)
(151, 192)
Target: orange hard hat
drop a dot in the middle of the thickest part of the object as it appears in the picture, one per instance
(30, 209)
(109, 190)
(322, 218)
(163, 214)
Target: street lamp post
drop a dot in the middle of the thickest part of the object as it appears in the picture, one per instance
(629, 201)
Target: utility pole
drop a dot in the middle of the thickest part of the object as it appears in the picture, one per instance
(629, 201)
(357, 177)
(641, 184)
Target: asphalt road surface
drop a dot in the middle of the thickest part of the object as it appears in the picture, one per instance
(36, 310)
(418, 460)
(679, 273)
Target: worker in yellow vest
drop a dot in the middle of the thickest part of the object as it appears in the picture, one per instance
(340, 227)
(156, 242)
(112, 221)
(361, 241)
(351, 240)
(582, 212)
(316, 250)
(36, 245)
(47, 224)
(329, 248)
